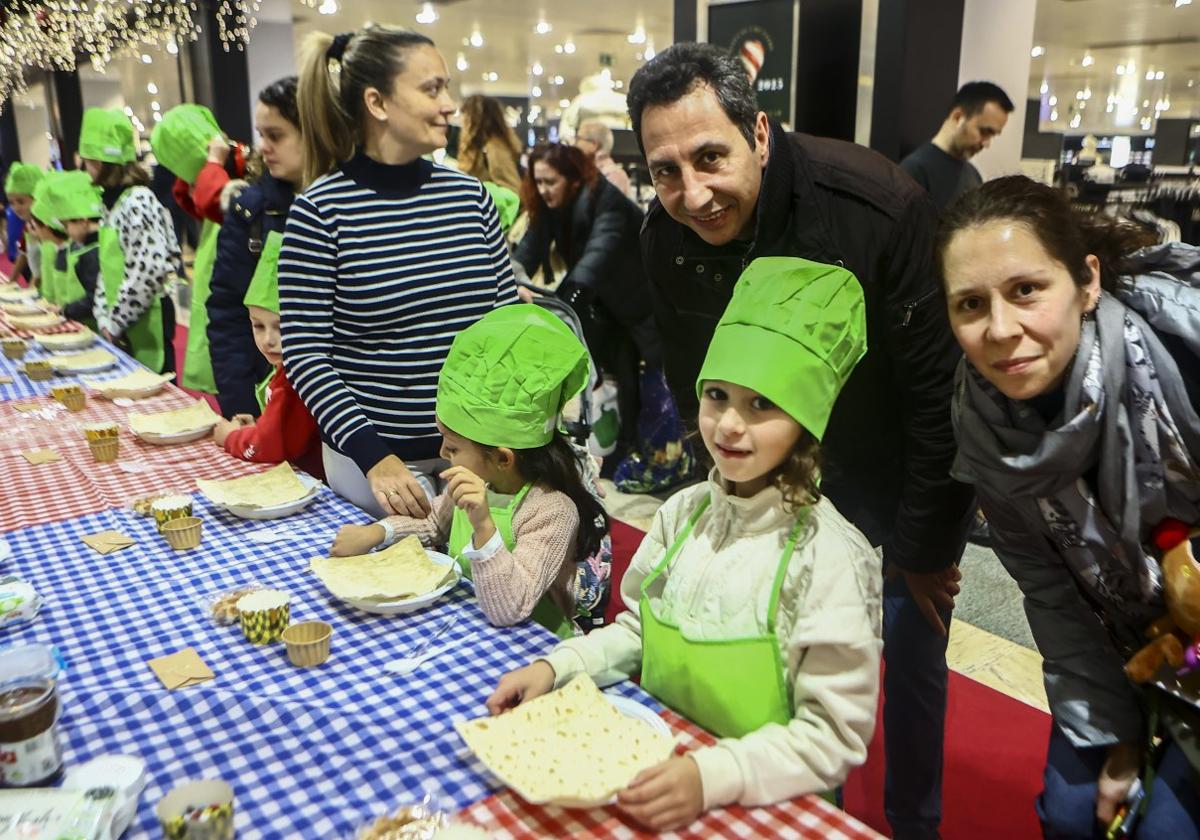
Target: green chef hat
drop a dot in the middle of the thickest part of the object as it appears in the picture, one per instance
(72, 195)
(264, 285)
(508, 204)
(22, 178)
(107, 135)
(180, 141)
(44, 208)
(508, 376)
(793, 332)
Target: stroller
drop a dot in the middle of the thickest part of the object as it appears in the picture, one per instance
(593, 575)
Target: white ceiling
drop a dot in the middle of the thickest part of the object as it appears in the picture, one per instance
(1152, 34)
(511, 47)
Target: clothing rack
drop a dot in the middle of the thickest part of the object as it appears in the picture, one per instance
(1168, 203)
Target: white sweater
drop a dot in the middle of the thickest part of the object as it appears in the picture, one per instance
(718, 587)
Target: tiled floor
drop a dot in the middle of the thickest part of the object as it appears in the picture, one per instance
(997, 662)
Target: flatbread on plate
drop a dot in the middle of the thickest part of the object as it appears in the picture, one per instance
(400, 571)
(276, 486)
(11, 291)
(139, 383)
(569, 746)
(87, 360)
(178, 421)
(35, 322)
(56, 341)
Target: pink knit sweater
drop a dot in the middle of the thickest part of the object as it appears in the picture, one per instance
(509, 584)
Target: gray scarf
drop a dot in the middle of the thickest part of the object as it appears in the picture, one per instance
(1127, 416)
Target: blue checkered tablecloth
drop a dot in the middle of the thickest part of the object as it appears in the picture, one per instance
(22, 387)
(310, 752)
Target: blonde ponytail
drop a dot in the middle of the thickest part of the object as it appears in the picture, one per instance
(332, 111)
(327, 133)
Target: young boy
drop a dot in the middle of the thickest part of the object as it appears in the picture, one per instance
(19, 184)
(285, 431)
(51, 237)
(78, 205)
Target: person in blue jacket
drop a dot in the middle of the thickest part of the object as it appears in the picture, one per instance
(252, 213)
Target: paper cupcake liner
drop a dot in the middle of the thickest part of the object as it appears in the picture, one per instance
(102, 431)
(308, 643)
(182, 534)
(39, 371)
(164, 515)
(105, 450)
(264, 627)
(15, 350)
(200, 810)
(74, 402)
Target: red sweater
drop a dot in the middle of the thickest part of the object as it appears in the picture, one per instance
(203, 201)
(284, 432)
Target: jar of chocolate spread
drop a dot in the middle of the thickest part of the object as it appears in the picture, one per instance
(30, 752)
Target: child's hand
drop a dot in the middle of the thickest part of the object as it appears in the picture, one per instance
(222, 430)
(469, 493)
(352, 540)
(665, 797)
(242, 420)
(520, 685)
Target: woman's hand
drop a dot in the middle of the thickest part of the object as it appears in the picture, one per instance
(1116, 780)
(469, 493)
(665, 797)
(397, 490)
(520, 685)
(352, 540)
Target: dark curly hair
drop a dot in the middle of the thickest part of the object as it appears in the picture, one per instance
(1067, 234)
(677, 70)
(281, 95)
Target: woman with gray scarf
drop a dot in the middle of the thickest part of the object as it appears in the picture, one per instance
(1076, 413)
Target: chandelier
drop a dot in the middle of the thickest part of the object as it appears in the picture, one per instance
(52, 34)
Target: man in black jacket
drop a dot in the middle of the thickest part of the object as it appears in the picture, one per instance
(733, 186)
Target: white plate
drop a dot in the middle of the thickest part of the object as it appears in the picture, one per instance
(178, 437)
(10, 293)
(410, 605)
(57, 362)
(70, 341)
(279, 511)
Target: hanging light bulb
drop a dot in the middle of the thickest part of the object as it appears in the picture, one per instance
(537, 68)
(476, 38)
(461, 63)
(542, 27)
(569, 47)
(427, 14)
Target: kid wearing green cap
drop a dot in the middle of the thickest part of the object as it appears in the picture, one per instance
(20, 182)
(755, 607)
(51, 238)
(139, 252)
(285, 431)
(515, 513)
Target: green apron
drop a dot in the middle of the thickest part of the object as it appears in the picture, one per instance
(197, 362)
(69, 286)
(730, 687)
(262, 389)
(546, 613)
(145, 336)
(49, 282)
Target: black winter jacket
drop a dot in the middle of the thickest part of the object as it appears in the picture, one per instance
(237, 365)
(889, 444)
(600, 249)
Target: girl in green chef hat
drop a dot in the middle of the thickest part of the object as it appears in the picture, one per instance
(755, 607)
(515, 513)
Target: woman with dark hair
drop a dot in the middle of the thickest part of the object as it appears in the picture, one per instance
(386, 258)
(252, 212)
(594, 228)
(488, 147)
(138, 249)
(1076, 417)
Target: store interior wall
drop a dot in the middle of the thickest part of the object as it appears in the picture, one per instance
(1171, 142)
(270, 56)
(996, 39)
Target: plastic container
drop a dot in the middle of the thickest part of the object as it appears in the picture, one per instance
(29, 715)
(198, 810)
(125, 774)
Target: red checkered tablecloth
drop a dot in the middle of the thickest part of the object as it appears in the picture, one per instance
(509, 817)
(76, 484)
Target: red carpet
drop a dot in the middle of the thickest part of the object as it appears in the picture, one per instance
(995, 750)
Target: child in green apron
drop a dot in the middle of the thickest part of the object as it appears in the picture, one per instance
(139, 252)
(180, 142)
(515, 512)
(77, 204)
(755, 607)
(51, 236)
(19, 185)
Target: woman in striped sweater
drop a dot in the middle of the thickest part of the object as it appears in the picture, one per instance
(386, 258)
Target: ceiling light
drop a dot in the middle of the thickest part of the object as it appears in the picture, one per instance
(1053, 101)
(1075, 120)
(152, 88)
(618, 84)
(427, 14)
(329, 7)
(476, 39)
(146, 59)
(638, 36)
(1160, 75)
(157, 116)
(535, 91)
(649, 53)
(1109, 109)
(1179, 3)
(128, 111)
(172, 48)
(461, 63)
(1145, 103)
(1120, 69)
(558, 80)
(537, 69)
(569, 47)
(154, 106)
(1045, 87)
(564, 103)
(1088, 61)
(1149, 75)
(558, 48)
(542, 27)
(1037, 52)
(1054, 115)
